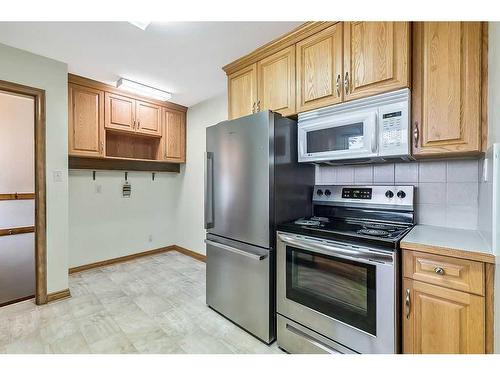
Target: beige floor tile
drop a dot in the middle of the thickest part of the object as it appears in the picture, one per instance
(150, 305)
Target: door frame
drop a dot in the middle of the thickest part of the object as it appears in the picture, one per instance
(38, 96)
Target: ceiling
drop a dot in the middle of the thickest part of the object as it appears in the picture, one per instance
(184, 58)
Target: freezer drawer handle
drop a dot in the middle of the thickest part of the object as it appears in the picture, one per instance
(235, 250)
(312, 340)
(209, 190)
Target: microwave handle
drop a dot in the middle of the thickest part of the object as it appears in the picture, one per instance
(375, 136)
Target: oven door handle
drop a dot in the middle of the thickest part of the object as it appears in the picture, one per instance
(358, 254)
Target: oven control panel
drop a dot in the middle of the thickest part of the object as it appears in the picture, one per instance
(379, 196)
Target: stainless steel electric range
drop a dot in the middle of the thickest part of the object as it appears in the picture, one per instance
(338, 271)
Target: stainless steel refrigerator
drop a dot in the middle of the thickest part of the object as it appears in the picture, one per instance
(252, 183)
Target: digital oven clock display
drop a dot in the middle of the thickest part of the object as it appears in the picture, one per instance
(357, 193)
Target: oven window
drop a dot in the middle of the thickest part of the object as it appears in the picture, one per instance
(339, 138)
(339, 288)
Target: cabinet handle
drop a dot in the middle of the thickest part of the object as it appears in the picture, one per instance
(346, 83)
(439, 270)
(337, 84)
(133, 126)
(253, 107)
(415, 134)
(138, 124)
(101, 147)
(407, 303)
(258, 105)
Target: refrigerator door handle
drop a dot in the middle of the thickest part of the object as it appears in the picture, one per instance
(235, 250)
(209, 190)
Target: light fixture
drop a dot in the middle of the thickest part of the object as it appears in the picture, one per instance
(143, 25)
(141, 89)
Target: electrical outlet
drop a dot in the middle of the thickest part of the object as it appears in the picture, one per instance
(98, 189)
(150, 238)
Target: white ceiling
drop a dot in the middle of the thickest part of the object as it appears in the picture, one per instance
(184, 58)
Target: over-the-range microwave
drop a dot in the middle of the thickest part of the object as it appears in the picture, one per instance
(376, 128)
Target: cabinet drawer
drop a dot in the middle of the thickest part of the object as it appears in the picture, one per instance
(454, 273)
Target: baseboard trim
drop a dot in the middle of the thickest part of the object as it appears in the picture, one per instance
(51, 297)
(125, 258)
(191, 253)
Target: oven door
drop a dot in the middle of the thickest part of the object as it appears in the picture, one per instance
(346, 293)
(350, 135)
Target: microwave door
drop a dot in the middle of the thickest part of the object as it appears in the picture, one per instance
(339, 137)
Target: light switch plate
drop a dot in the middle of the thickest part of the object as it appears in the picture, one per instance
(57, 175)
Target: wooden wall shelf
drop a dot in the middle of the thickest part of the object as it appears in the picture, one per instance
(16, 196)
(122, 164)
(16, 230)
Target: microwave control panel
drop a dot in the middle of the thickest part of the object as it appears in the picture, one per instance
(392, 129)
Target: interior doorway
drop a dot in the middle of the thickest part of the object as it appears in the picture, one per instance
(22, 193)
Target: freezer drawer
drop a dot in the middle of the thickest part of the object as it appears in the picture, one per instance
(238, 285)
(17, 267)
(297, 339)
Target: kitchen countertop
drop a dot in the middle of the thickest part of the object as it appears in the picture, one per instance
(460, 243)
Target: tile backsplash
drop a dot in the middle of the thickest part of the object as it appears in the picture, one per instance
(446, 191)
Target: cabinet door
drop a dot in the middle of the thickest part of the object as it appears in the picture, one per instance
(276, 82)
(446, 97)
(120, 113)
(242, 91)
(86, 121)
(319, 69)
(376, 57)
(174, 135)
(438, 320)
(148, 118)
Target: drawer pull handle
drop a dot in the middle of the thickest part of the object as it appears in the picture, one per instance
(407, 303)
(439, 270)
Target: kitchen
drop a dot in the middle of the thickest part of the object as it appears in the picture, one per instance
(341, 193)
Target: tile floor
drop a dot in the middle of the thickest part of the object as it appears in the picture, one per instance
(150, 305)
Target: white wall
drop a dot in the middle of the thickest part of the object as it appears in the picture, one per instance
(190, 209)
(36, 71)
(104, 225)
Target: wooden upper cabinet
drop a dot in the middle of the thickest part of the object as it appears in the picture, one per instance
(86, 121)
(276, 82)
(319, 69)
(376, 58)
(120, 112)
(438, 320)
(148, 117)
(174, 136)
(242, 92)
(446, 97)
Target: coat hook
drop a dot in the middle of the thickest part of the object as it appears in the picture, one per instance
(153, 176)
(126, 176)
(93, 175)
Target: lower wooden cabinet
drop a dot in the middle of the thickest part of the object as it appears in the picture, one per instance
(439, 320)
(446, 305)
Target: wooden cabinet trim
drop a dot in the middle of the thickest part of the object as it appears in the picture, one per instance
(303, 31)
(458, 274)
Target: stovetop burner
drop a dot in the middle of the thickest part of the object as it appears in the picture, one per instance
(373, 232)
